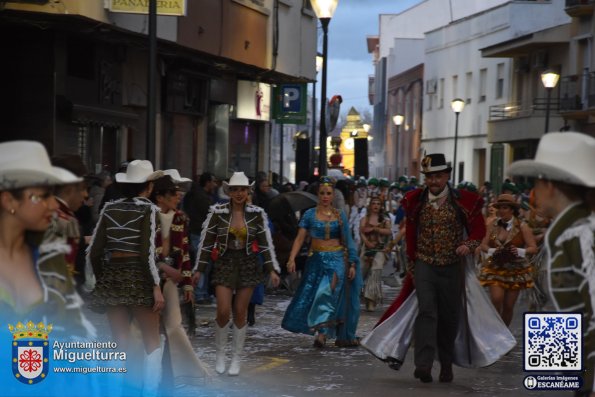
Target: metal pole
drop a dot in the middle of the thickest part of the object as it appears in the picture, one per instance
(397, 157)
(454, 168)
(313, 135)
(281, 144)
(151, 92)
(322, 162)
(547, 110)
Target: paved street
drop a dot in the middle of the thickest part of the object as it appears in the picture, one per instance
(279, 363)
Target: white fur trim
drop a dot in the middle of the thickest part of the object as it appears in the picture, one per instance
(583, 230)
(88, 264)
(212, 210)
(154, 211)
(267, 231)
(56, 246)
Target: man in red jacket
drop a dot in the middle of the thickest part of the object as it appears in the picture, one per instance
(443, 225)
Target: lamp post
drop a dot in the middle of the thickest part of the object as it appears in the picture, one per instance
(313, 135)
(549, 78)
(457, 106)
(324, 10)
(397, 120)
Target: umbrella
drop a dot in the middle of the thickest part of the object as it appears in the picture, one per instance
(298, 200)
(335, 173)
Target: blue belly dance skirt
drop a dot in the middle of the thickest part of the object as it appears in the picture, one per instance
(324, 303)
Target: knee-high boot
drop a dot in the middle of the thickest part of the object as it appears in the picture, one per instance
(239, 337)
(152, 372)
(220, 342)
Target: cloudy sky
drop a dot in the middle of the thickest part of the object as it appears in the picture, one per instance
(349, 63)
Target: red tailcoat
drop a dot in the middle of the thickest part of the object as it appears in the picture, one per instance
(470, 205)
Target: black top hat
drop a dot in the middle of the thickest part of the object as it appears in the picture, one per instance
(434, 163)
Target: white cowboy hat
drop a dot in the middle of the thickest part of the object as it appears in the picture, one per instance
(175, 175)
(561, 156)
(26, 163)
(237, 179)
(138, 171)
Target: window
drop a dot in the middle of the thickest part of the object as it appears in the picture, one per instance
(483, 73)
(461, 172)
(455, 84)
(441, 93)
(430, 100)
(500, 81)
(468, 86)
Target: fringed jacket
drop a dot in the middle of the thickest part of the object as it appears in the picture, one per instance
(126, 225)
(215, 233)
(60, 305)
(178, 239)
(570, 243)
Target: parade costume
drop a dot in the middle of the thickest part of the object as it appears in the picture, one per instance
(477, 338)
(186, 367)
(373, 260)
(563, 166)
(326, 301)
(60, 303)
(432, 236)
(235, 255)
(125, 225)
(570, 242)
(506, 270)
(234, 252)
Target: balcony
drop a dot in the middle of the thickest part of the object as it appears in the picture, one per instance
(579, 8)
(523, 109)
(577, 95)
(521, 121)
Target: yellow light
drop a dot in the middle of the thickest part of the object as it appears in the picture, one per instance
(457, 105)
(549, 78)
(324, 8)
(398, 119)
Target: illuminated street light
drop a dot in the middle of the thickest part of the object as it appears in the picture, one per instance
(457, 105)
(324, 10)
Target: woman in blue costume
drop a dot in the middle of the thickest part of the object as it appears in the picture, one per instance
(327, 300)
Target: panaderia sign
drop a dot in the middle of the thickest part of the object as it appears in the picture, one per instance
(164, 7)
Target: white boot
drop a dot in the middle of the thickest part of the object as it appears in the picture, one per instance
(152, 373)
(239, 336)
(220, 342)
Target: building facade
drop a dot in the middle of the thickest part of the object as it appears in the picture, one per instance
(76, 79)
(455, 66)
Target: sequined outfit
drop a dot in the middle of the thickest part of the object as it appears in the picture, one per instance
(316, 305)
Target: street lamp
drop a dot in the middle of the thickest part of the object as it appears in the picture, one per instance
(457, 105)
(313, 136)
(324, 10)
(397, 120)
(549, 78)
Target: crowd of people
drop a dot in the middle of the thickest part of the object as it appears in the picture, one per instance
(149, 247)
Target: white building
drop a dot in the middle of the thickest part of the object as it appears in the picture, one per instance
(398, 48)
(454, 68)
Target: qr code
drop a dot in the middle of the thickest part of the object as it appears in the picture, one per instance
(553, 342)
